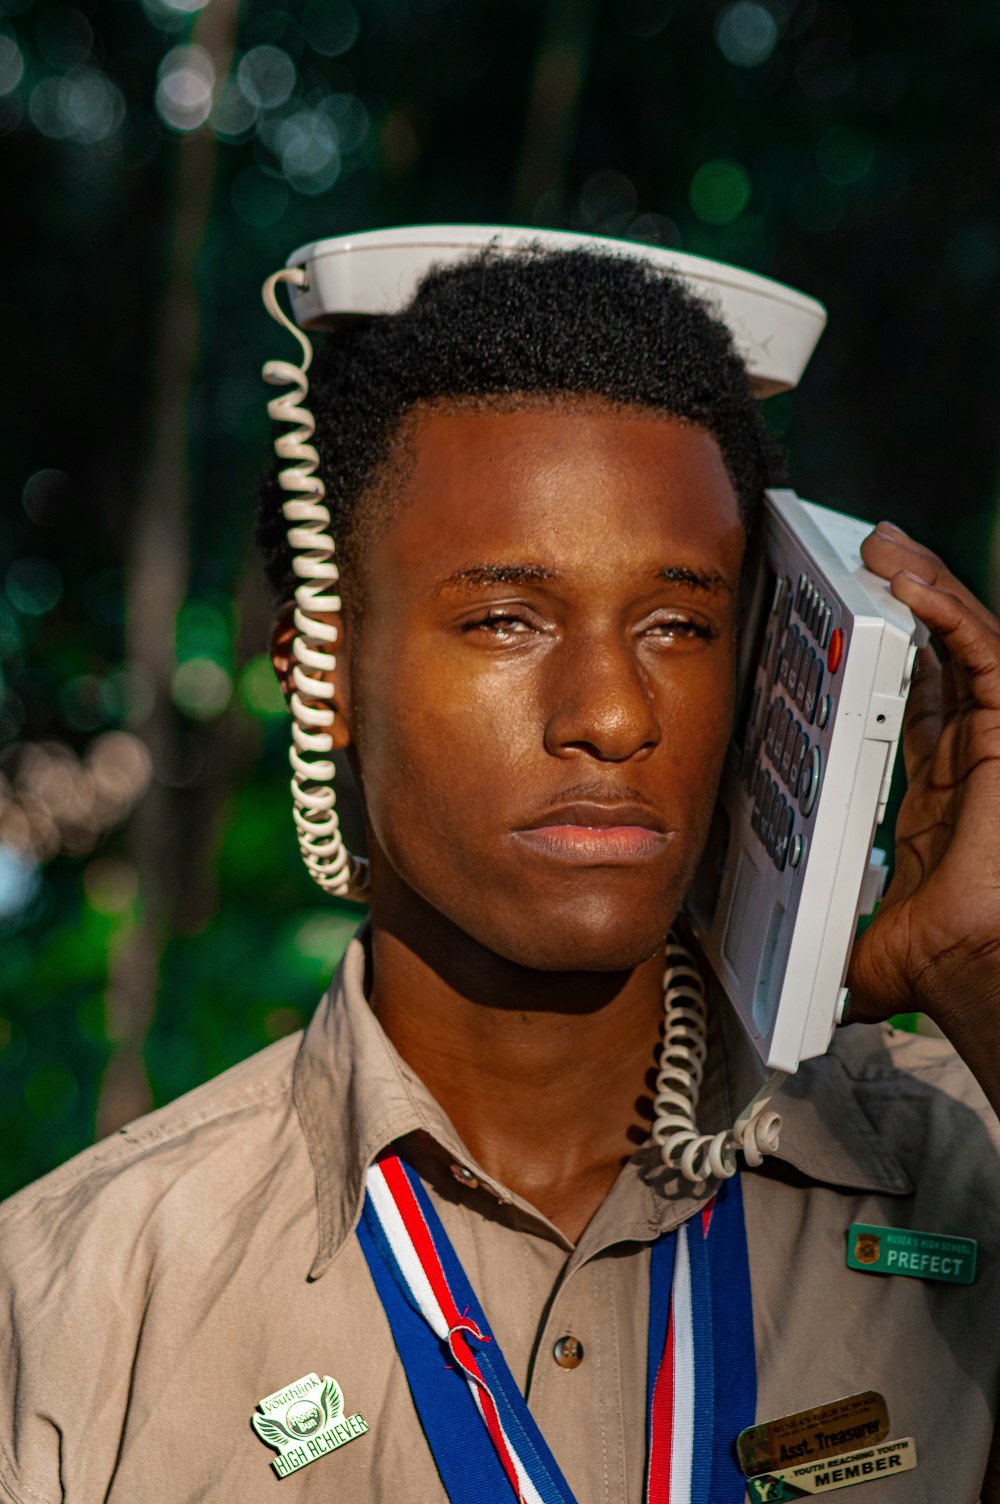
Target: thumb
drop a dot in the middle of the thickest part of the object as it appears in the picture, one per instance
(876, 974)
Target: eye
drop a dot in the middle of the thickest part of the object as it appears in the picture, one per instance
(501, 625)
(680, 629)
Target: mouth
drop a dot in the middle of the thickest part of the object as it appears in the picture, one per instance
(597, 834)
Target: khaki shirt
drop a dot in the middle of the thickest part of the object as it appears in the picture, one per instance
(156, 1287)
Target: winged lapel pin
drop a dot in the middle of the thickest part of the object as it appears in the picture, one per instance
(304, 1421)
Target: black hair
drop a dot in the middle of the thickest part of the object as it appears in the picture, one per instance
(538, 323)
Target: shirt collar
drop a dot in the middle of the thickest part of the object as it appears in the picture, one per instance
(355, 1095)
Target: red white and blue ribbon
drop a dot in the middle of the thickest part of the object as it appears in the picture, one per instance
(485, 1442)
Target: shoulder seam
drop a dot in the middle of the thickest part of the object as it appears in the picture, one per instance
(123, 1148)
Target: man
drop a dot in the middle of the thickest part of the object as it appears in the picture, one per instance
(544, 475)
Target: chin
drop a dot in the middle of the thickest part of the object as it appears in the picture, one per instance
(595, 935)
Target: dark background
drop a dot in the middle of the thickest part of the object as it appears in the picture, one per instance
(159, 160)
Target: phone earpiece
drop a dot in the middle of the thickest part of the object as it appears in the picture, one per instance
(327, 859)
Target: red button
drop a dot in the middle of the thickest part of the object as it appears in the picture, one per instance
(835, 651)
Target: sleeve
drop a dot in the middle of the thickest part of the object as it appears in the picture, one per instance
(991, 1482)
(29, 1437)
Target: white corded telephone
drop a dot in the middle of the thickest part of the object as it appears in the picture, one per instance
(827, 660)
(827, 657)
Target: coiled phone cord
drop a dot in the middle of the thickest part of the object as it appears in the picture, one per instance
(327, 859)
(701, 1156)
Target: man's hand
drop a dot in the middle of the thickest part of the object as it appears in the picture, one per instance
(935, 943)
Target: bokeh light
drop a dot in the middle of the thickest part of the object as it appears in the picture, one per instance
(202, 688)
(64, 36)
(172, 15)
(51, 801)
(11, 61)
(45, 496)
(19, 881)
(259, 689)
(845, 154)
(608, 201)
(110, 885)
(34, 586)
(305, 144)
(185, 86)
(746, 34)
(266, 76)
(330, 26)
(720, 191)
(83, 105)
(234, 117)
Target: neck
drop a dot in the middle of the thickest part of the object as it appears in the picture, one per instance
(544, 1075)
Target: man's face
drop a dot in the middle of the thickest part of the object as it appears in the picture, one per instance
(542, 689)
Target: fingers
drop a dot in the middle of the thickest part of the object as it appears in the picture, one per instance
(969, 633)
(924, 714)
(888, 550)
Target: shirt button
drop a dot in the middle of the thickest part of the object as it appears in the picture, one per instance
(464, 1176)
(568, 1352)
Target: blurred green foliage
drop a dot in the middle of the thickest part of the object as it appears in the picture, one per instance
(846, 148)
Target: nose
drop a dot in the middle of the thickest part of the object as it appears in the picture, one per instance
(602, 703)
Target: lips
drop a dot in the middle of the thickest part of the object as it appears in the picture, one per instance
(599, 815)
(596, 833)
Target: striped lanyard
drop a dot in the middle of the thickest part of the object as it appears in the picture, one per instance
(484, 1439)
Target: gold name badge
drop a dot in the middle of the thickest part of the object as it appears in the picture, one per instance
(304, 1421)
(838, 1472)
(858, 1420)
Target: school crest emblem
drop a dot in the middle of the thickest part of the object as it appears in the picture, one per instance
(304, 1421)
(866, 1248)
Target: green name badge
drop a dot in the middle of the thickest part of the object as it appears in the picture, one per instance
(921, 1255)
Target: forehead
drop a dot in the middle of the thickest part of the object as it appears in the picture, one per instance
(578, 483)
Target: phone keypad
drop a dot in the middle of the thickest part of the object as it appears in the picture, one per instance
(778, 733)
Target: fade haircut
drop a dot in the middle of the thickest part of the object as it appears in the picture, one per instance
(497, 327)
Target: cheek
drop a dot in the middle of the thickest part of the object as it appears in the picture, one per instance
(444, 745)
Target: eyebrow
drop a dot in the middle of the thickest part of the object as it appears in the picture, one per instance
(476, 575)
(697, 579)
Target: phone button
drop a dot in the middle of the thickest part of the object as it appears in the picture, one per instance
(787, 653)
(823, 711)
(759, 789)
(799, 752)
(800, 593)
(798, 652)
(786, 820)
(805, 674)
(797, 850)
(812, 774)
(817, 615)
(835, 652)
(823, 630)
(767, 812)
(773, 715)
(813, 686)
(788, 750)
(781, 738)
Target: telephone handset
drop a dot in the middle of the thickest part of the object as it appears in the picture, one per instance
(828, 655)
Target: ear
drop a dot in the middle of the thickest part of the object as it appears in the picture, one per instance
(283, 635)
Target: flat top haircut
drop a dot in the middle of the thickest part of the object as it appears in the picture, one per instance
(500, 328)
